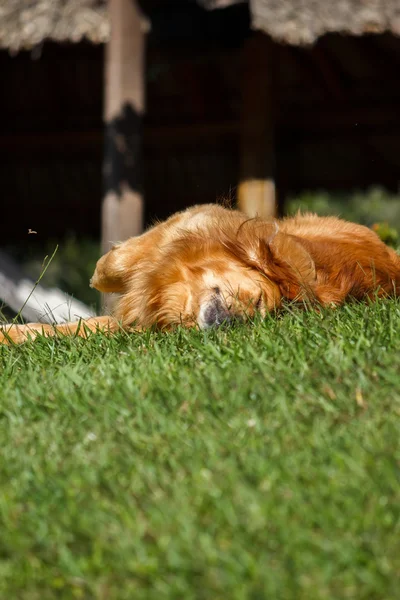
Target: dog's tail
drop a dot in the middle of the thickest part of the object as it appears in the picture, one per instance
(18, 334)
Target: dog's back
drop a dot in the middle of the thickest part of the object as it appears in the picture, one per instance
(350, 259)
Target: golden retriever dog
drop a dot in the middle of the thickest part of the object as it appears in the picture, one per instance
(208, 265)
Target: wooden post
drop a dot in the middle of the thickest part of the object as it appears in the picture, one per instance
(256, 190)
(122, 210)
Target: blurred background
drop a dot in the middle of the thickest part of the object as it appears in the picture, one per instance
(119, 112)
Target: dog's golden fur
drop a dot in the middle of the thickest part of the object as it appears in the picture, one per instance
(208, 264)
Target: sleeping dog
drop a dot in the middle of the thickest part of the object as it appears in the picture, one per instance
(208, 265)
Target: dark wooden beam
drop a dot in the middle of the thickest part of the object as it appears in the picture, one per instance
(122, 211)
(330, 119)
(347, 122)
(256, 189)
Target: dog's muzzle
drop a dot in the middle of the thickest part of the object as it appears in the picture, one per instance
(214, 314)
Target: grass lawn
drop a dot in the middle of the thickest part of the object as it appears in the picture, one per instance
(258, 462)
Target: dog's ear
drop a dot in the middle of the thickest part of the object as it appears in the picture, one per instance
(283, 258)
(115, 269)
(290, 264)
(112, 269)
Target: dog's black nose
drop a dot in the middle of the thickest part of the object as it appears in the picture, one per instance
(216, 314)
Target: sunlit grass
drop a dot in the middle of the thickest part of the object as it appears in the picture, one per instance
(260, 461)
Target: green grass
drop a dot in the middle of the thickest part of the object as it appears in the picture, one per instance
(258, 462)
(375, 205)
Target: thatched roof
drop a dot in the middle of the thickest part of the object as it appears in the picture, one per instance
(301, 22)
(27, 23)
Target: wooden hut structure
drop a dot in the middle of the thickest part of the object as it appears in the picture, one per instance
(201, 99)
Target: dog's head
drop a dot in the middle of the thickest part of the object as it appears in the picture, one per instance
(208, 267)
